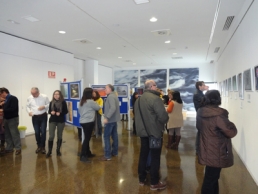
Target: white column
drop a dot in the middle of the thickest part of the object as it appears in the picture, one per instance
(91, 72)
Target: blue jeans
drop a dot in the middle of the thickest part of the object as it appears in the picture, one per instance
(40, 126)
(111, 131)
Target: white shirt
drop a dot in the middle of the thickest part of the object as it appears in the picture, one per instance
(34, 103)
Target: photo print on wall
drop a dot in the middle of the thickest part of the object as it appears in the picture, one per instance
(74, 91)
(240, 85)
(256, 77)
(64, 90)
(248, 85)
(158, 75)
(230, 84)
(126, 77)
(183, 80)
(234, 83)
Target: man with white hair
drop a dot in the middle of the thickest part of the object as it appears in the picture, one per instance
(37, 107)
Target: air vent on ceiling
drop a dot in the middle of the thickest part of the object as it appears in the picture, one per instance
(228, 23)
(128, 61)
(177, 57)
(212, 61)
(216, 50)
(83, 41)
(165, 32)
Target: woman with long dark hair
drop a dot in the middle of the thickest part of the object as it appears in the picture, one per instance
(216, 132)
(175, 122)
(134, 98)
(87, 112)
(99, 101)
(57, 110)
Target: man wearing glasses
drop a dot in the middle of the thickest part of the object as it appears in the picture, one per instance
(37, 107)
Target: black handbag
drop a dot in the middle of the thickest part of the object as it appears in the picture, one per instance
(154, 143)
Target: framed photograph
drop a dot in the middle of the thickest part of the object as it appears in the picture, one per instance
(230, 84)
(101, 90)
(256, 77)
(225, 85)
(240, 85)
(234, 83)
(75, 91)
(122, 90)
(69, 115)
(247, 80)
(64, 90)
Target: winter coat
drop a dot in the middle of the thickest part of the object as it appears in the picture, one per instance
(153, 112)
(216, 132)
(197, 99)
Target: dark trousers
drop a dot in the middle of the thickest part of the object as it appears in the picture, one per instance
(99, 124)
(40, 127)
(211, 180)
(154, 165)
(87, 130)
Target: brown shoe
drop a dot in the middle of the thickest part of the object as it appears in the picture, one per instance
(43, 151)
(158, 186)
(104, 159)
(18, 152)
(38, 150)
(2, 151)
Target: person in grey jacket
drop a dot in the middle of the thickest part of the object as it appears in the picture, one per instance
(87, 112)
(154, 116)
(111, 115)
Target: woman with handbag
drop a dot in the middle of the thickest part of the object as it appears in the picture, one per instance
(57, 110)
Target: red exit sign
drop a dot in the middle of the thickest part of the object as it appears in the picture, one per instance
(51, 74)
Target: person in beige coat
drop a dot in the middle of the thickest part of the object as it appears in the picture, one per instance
(175, 121)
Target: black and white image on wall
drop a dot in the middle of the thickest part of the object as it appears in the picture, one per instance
(248, 86)
(229, 84)
(183, 80)
(240, 85)
(126, 77)
(256, 77)
(234, 83)
(158, 75)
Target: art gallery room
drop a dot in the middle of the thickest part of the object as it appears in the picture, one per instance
(69, 45)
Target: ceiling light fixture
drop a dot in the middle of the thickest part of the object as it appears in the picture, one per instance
(30, 18)
(153, 19)
(141, 1)
(119, 57)
(62, 32)
(134, 63)
(174, 53)
(168, 41)
(13, 22)
(98, 48)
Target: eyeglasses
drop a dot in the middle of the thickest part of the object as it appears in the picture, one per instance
(154, 85)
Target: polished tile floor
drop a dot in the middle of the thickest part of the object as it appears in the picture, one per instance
(33, 173)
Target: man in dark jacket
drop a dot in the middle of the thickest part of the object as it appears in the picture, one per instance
(11, 121)
(197, 99)
(154, 117)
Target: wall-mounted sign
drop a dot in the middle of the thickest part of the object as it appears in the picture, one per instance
(51, 74)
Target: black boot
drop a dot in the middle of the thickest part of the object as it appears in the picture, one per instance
(79, 133)
(59, 143)
(50, 146)
(126, 117)
(85, 159)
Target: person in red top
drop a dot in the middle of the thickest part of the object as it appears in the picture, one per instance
(175, 121)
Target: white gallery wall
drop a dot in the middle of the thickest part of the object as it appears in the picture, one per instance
(25, 64)
(105, 75)
(241, 54)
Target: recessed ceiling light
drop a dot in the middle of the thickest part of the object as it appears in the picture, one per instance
(153, 19)
(119, 57)
(174, 53)
(13, 22)
(62, 32)
(141, 1)
(30, 18)
(134, 63)
(98, 48)
(168, 41)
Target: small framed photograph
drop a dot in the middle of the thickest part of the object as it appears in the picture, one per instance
(64, 90)
(101, 90)
(75, 91)
(240, 85)
(247, 80)
(234, 83)
(69, 115)
(256, 77)
(225, 85)
(230, 84)
(122, 90)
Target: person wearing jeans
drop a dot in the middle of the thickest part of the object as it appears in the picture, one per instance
(37, 107)
(111, 115)
(87, 110)
(57, 110)
(150, 119)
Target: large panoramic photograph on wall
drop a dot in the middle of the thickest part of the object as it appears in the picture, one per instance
(183, 80)
(158, 75)
(126, 77)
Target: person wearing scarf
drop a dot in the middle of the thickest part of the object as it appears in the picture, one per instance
(57, 110)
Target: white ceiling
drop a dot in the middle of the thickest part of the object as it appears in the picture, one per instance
(122, 28)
